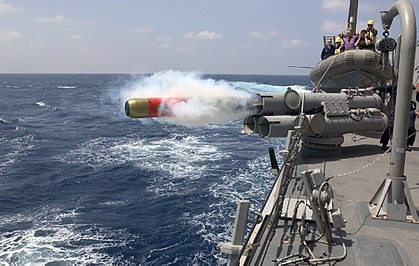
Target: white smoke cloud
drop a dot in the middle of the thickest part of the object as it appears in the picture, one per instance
(209, 101)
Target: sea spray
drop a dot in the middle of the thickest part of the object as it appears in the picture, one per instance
(209, 101)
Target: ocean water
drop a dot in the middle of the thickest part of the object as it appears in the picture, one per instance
(82, 184)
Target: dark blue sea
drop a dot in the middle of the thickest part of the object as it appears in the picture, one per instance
(82, 184)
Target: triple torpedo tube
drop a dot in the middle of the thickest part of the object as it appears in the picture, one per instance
(151, 107)
(324, 114)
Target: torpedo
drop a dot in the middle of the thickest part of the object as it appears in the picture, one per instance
(151, 107)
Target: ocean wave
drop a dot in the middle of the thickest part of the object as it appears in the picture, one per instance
(67, 87)
(114, 203)
(180, 158)
(149, 193)
(43, 104)
(257, 87)
(13, 150)
(215, 224)
(50, 235)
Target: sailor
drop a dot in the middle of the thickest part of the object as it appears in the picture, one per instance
(349, 40)
(328, 50)
(411, 132)
(364, 41)
(417, 87)
(371, 31)
(388, 132)
(339, 47)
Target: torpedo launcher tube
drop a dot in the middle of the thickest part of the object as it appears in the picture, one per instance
(316, 115)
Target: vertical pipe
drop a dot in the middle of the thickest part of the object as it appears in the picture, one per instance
(404, 91)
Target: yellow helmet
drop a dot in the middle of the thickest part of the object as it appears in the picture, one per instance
(370, 22)
(338, 39)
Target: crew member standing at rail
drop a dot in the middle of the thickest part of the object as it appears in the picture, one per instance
(349, 40)
(364, 41)
(339, 47)
(372, 32)
(411, 132)
(328, 50)
(391, 109)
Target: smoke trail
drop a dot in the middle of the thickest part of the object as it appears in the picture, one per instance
(209, 101)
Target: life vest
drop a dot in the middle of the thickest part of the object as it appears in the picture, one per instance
(373, 34)
(339, 49)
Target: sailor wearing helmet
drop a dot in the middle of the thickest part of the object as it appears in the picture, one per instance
(371, 31)
(339, 46)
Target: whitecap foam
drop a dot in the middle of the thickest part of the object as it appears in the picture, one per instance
(114, 203)
(180, 158)
(253, 87)
(17, 148)
(215, 225)
(302, 89)
(47, 235)
(40, 103)
(66, 87)
(256, 87)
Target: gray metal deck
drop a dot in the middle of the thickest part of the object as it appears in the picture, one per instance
(368, 241)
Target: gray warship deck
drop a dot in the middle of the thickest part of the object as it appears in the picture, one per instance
(358, 168)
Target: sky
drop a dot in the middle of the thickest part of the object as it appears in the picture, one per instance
(148, 36)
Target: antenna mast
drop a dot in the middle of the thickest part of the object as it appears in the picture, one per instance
(353, 15)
